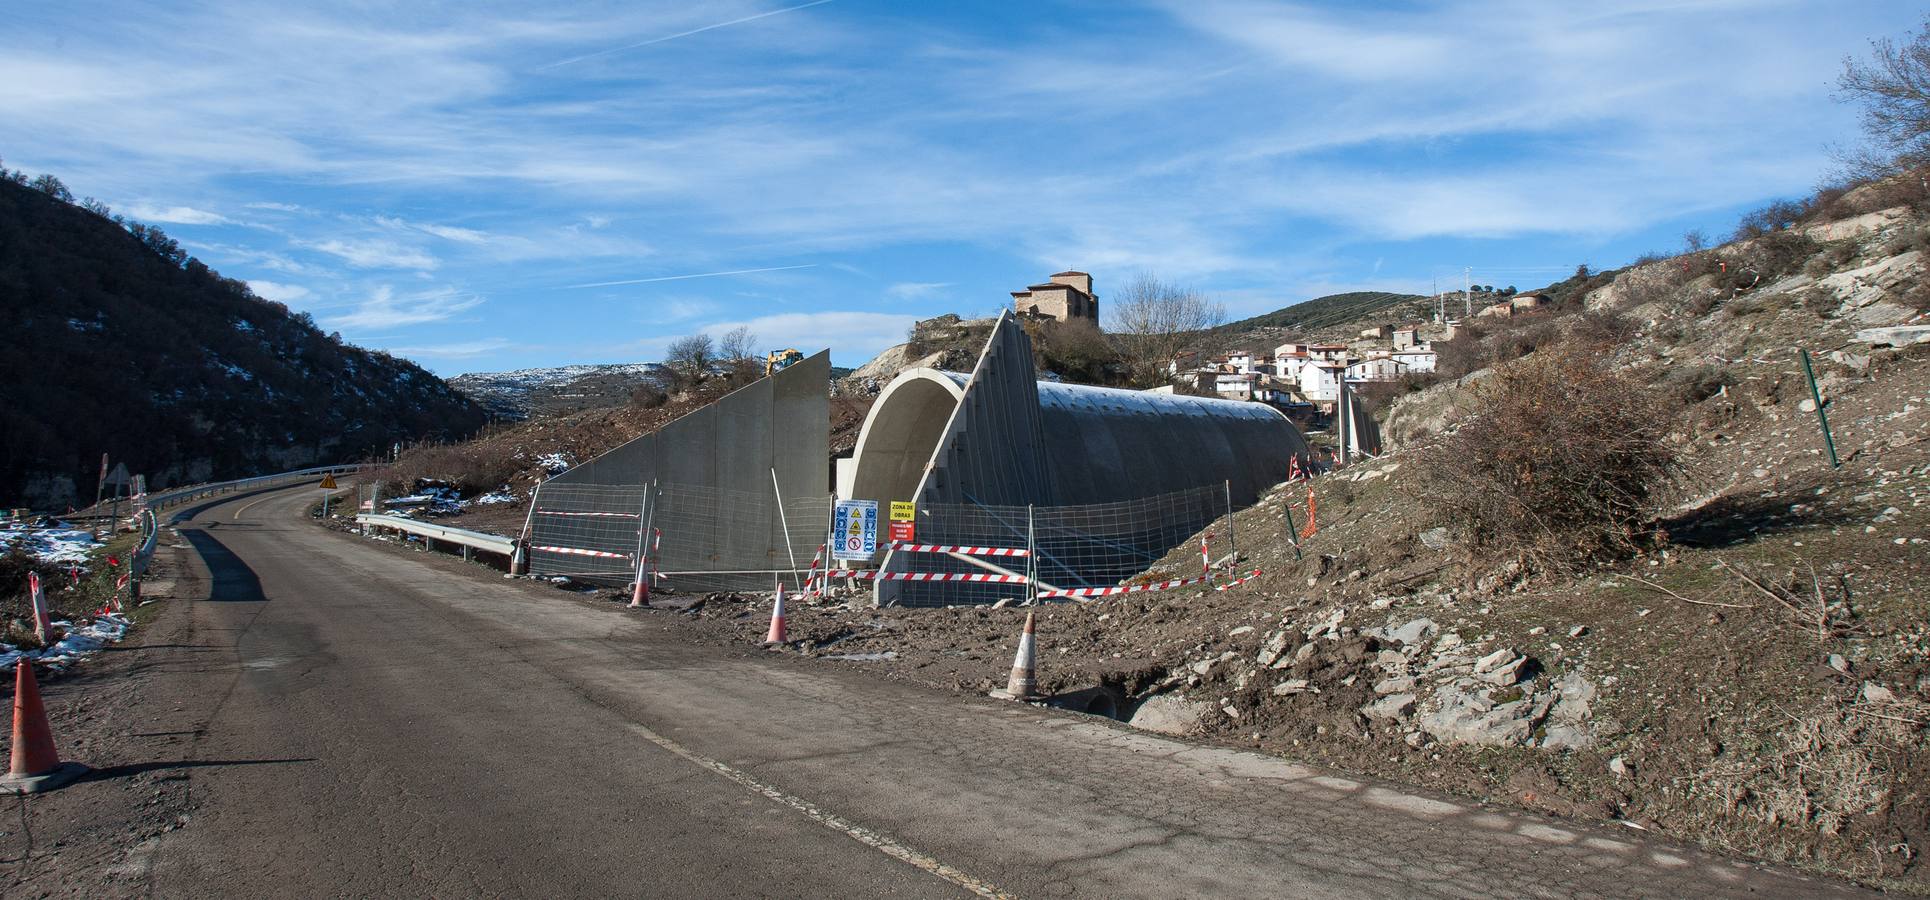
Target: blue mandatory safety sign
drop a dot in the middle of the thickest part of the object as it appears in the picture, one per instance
(854, 529)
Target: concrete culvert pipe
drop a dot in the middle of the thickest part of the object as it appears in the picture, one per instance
(1096, 701)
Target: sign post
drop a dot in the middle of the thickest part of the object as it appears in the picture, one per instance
(903, 521)
(328, 484)
(854, 525)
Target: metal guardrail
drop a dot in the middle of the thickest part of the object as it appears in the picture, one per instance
(184, 495)
(475, 540)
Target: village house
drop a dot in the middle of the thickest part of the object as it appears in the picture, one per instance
(1407, 336)
(1320, 382)
(1067, 297)
(1416, 359)
(1332, 353)
(1376, 367)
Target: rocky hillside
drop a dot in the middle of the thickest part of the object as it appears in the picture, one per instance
(114, 340)
(1754, 677)
(525, 393)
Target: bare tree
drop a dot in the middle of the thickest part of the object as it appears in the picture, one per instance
(738, 345)
(1154, 319)
(690, 357)
(1893, 88)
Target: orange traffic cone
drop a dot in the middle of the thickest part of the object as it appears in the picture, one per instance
(36, 765)
(640, 595)
(776, 635)
(1025, 664)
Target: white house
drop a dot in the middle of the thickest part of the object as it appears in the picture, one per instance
(1416, 359)
(1288, 365)
(1240, 360)
(1328, 353)
(1235, 385)
(1320, 381)
(1407, 336)
(1378, 367)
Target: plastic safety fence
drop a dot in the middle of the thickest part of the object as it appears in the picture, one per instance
(1072, 547)
(588, 532)
(717, 539)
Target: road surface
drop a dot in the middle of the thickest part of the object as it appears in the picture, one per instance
(350, 720)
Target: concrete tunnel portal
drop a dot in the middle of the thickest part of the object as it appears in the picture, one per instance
(901, 433)
(988, 445)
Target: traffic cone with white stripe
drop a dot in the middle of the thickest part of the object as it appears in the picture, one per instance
(776, 635)
(1024, 683)
(36, 765)
(43, 619)
(640, 594)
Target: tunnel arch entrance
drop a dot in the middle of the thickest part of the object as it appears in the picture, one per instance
(901, 433)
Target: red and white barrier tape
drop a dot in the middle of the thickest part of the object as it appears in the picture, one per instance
(968, 551)
(975, 577)
(1122, 589)
(574, 551)
(1238, 581)
(597, 515)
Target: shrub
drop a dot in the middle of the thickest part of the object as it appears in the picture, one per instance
(1556, 460)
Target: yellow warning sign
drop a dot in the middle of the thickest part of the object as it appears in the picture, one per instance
(903, 511)
(328, 482)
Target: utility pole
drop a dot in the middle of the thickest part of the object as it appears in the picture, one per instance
(1467, 292)
(1437, 300)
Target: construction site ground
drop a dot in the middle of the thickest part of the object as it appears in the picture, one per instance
(313, 714)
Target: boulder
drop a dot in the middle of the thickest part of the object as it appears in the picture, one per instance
(1415, 632)
(1391, 707)
(1169, 714)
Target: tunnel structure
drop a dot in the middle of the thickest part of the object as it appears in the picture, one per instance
(1000, 438)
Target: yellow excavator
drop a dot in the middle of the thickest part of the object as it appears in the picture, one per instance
(779, 359)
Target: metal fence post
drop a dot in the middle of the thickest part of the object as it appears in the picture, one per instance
(1031, 557)
(1232, 536)
(1293, 531)
(784, 524)
(1822, 418)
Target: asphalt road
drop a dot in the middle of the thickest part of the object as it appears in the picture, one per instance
(359, 721)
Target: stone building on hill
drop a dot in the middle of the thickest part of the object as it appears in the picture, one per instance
(1067, 297)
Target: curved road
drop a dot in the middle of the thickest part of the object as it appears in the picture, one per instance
(367, 722)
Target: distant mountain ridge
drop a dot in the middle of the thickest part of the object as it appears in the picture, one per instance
(523, 393)
(113, 339)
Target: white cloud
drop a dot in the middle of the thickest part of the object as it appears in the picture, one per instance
(174, 215)
(377, 254)
(384, 309)
(915, 290)
(277, 207)
(278, 292)
(462, 350)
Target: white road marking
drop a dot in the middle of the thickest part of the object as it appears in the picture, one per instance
(857, 832)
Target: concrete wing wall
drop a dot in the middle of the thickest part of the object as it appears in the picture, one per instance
(721, 459)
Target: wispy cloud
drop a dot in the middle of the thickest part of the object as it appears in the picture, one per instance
(174, 215)
(446, 232)
(462, 350)
(684, 34)
(387, 309)
(377, 254)
(278, 292)
(659, 278)
(915, 290)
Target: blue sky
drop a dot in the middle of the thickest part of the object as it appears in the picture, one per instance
(484, 187)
